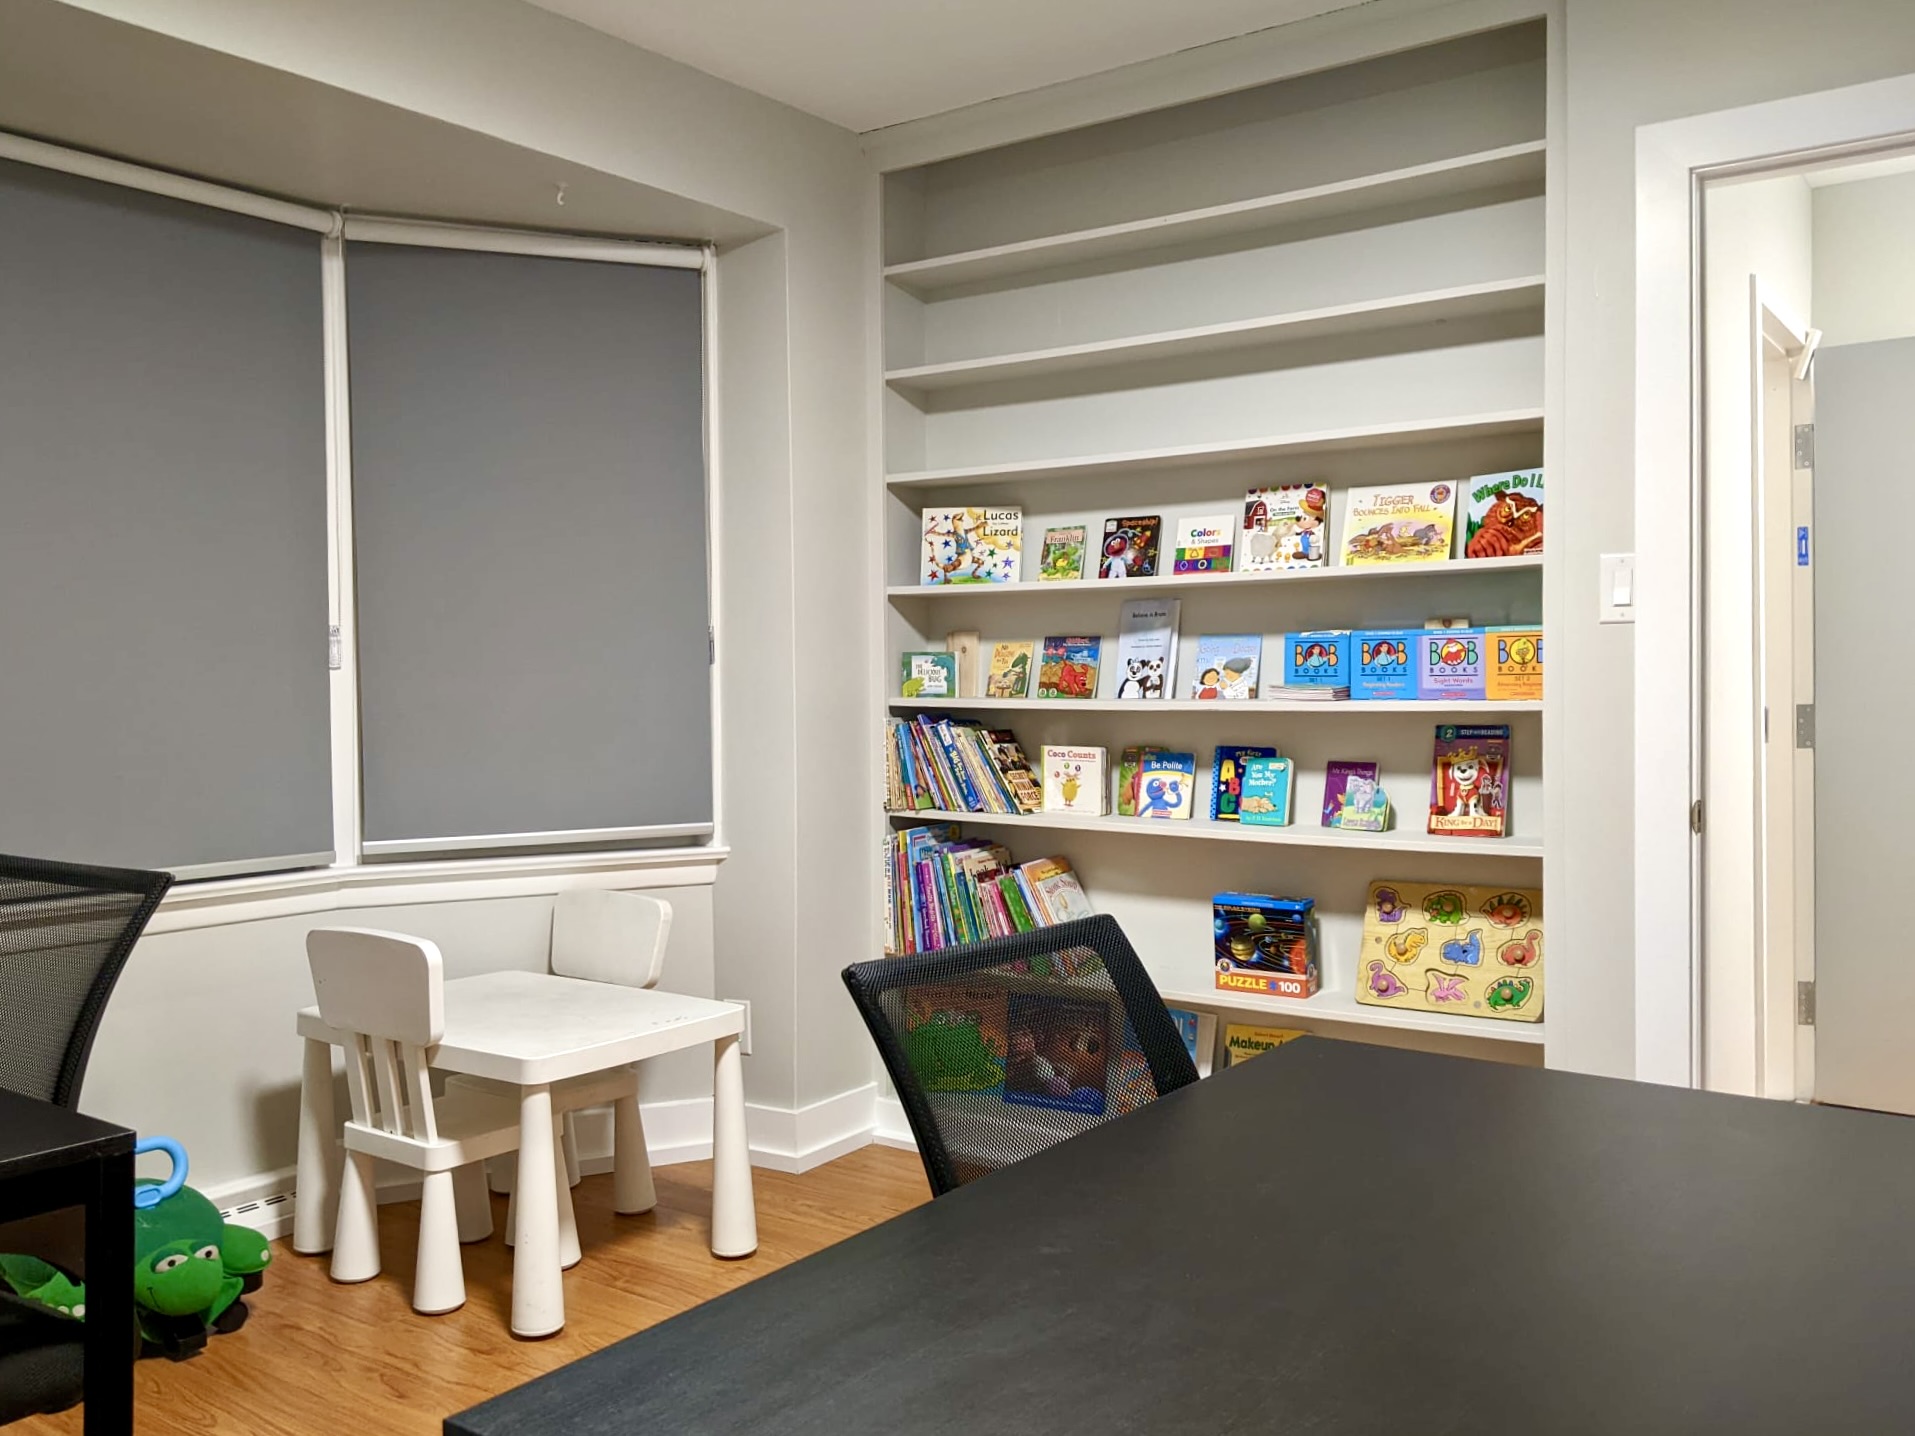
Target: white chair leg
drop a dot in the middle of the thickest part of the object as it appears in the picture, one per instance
(569, 1253)
(569, 1143)
(438, 1282)
(499, 1172)
(474, 1203)
(538, 1293)
(316, 1198)
(355, 1251)
(734, 1214)
(632, 1189)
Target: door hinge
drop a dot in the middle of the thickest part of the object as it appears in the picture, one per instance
(1805, 1003)
(1805, 725)
(711, 645)
(1695, 816)
(335, 649)
(1805, 446)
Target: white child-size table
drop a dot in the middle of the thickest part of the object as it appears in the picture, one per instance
(532, 1029)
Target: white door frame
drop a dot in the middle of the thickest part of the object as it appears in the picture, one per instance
(1672, 161)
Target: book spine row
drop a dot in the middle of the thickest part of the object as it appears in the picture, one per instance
(942, 891)
(936, 762)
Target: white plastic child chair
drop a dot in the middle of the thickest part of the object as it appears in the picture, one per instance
(598, 936)
(385, 993)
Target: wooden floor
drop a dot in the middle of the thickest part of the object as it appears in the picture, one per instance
(319, 1358)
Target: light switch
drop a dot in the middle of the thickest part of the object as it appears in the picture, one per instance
(1616, 603)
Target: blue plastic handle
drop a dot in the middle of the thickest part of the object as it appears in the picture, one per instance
(152, 1196)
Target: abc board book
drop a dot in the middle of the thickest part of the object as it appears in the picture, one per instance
(1469, 780)
(1283, 527)
(1226, 779)
(1384, 663)
(1503, 515)
(1074, 780)
(1062, 557)
(1068, 668)
(1147, 647)
(1515, 663)
(1399, 523)
(1241, 1041)
(1058, 895)
(1166, 784)
(1010, 675)
(1130, 547)
(1226, 667)
(929, 675)
(972, 545)
(1477, 951)
(1347, 785)
(1268, 786)
(1057, 1053)
(1130, 766)
(1204, 545)
(1451, 664)
(1265, 944)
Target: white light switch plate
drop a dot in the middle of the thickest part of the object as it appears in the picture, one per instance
(1616, 594)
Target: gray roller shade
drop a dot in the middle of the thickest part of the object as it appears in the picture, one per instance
(163, 546)
(530, 536)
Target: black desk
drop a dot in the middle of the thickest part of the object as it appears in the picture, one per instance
(1332, 1238)
(52, 1158)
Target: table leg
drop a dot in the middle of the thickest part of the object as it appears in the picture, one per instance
(538, 1293)
(109, 1338)
(316, 1195)
(734, 1214)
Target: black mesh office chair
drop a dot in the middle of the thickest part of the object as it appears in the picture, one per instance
(65, 934)
(1000, 1049)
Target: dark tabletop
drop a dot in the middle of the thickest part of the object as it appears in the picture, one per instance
(1332, 1238)
(36, 1135)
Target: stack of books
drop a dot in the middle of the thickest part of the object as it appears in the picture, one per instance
(956, 765)
(943, 890)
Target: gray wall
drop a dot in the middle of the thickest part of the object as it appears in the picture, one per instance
(1864, 273)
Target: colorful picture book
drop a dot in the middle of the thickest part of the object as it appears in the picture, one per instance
(1317, 659)
(1469, 780)
(1515, 658)
(1067, 668)
(1057, 1052)
(1166, 784)
(1384, 663)
(1010, 675)
(1503, 514)
(1477, 951)
(942, 889)
(1130, 547)
(1062, 557)
(929, 675)
(1147, 647)
(1226, 667)
(1059, 897)
(1269, 785)
(1346, 783)
(954, 1036)
(1130, 767)
(1242, 1041)
(1205, 544)
(1283, 527)
(1199, 1032)
(972, 545)
(1399, 523)
(1226, 778)
(1074, 780)
(1451, 665)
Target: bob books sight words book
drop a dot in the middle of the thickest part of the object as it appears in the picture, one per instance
(972, 545)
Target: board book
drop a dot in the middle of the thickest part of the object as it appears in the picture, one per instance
(972, 545)
(1010, 675)
(1347, 784)
(929, 675)
(1074, 780)
(1283, 527)
(1269, 787)
(1130, 547)
(1226, 667)
(1067, 668)
(1399, 523)
(1469, 780)
(1061, 559)
(1147, 647)
(1438, 947)
(1166, 785)
(1226, 779)
(1130, 764)
(1503, 514)
(1242, 1041)
(1265, 944)
(1204, 544)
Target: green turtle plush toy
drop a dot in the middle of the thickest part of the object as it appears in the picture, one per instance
(190, 1269)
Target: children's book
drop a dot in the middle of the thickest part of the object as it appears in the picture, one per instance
(1451, 664)
(929, 675)
(1226, 666)
(1317, 659)
(1385, 664)
(1399, 523)
(1166, 784)
(954, 1036)
(1130, 766)
(1007, 756)
(1515, 663)
(1059, 897)
(1199, 1032)
(1503, 515)
(1062, 557)
(1074, 780)
(1204, 545)
(1241, 1041)
(1147, 647)
(972, 545)
(1010, 675)
(1469, 780)
(1345, 783)
(1130, 547)
(1283, 527)
(1268, 786)
(1226, 778)
(1068, 668)
(1057, 1053)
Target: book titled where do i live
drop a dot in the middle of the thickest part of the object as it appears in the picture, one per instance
(1147, 647)
(972, 545)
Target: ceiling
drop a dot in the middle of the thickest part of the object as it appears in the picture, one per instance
(865, 64)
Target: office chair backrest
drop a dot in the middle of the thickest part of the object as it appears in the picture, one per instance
(605, 936)
(1003, 1048)
(385, 992)
(65, 934)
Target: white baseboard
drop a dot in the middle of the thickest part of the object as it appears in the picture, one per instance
(892, 1129)
(798, 1139)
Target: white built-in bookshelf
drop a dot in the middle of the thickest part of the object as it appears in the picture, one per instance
(1335, 278)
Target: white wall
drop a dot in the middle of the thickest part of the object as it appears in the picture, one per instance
(1864, 268)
